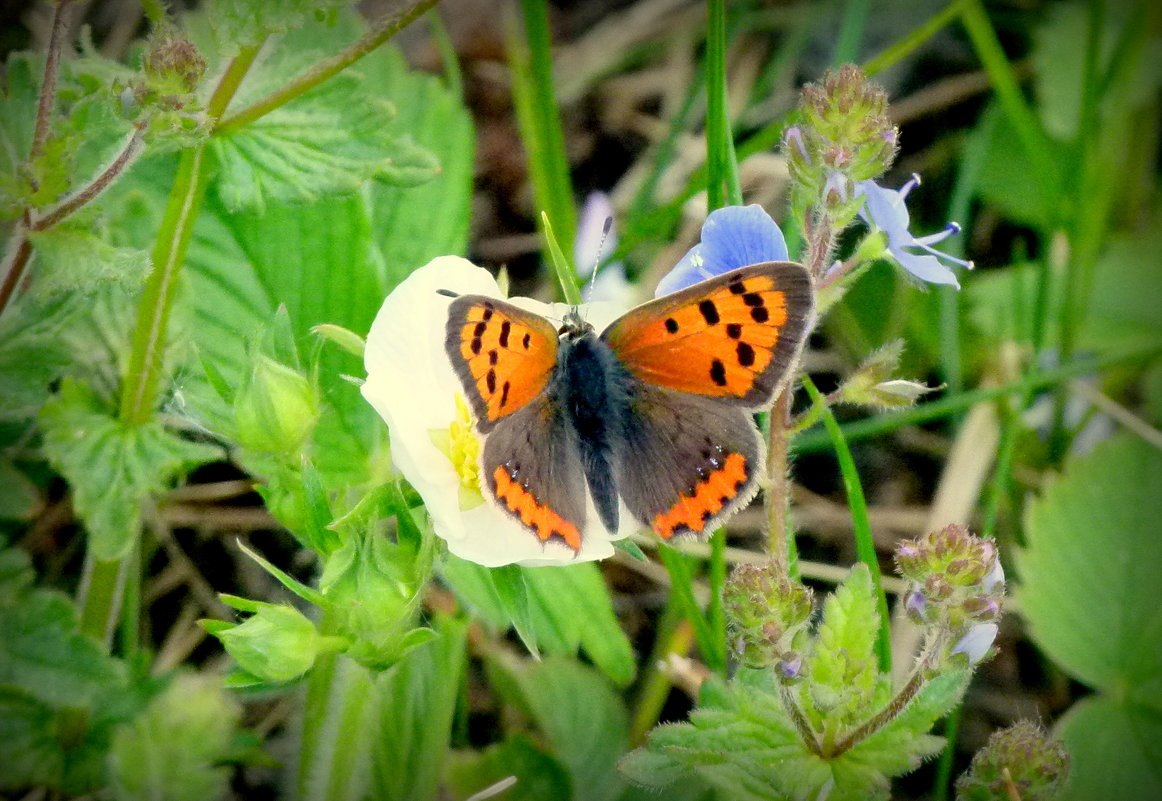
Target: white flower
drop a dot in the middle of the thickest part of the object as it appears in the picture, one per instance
(411, 385)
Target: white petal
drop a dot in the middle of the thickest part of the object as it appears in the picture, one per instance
(410, 383)
(976, 643)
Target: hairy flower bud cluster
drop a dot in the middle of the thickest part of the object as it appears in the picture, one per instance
(172, 68)
(843, 136)
(955, 582)
(767, 615)
(1022, 757)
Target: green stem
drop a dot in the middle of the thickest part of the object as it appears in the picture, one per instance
(682, 591)
(337, 717)
(851, 31)
(864, 544)
(100, 598)
(946, 407)
(382, 30)
(530, 59)
(675, 636)
(913, 41)
(139, 390)
(716, 121)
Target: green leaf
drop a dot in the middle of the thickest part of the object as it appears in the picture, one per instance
(902, 744)
(574, 603)
(244, 23)
(61, 695)
(175, 749)
(1115, 750)
(569, 608)
(417, 700)
(842, 666)
(429, 112)
(539, 777)
(1021, 201)
(513, 594)
(329, 141)
(1122, 309)
(580, 715)
(73, 259)
(20, 499)
(112, 467)
(1091, 570)
(32, 353)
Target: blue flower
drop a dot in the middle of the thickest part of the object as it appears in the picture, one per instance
(885, 210)
(732, 237)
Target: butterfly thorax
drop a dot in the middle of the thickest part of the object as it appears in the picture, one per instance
(589, 388)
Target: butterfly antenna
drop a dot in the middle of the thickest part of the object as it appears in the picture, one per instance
(605, 229)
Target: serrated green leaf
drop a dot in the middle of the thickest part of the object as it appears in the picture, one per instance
(428, 112)
(539, 777)
(328, 141)
(32, 353)
(576, 708)
(244, 23)
(842, 664)
(174, 750)
(72, 259)
(112, 467)
(417, 701)
(650, 768)
(901, 745)
(1091, 569)
(1115, 750)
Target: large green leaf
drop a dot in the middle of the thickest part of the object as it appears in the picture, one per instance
(1115, 751)
(174, 750)
(582, 718)
(1092, 568)
(569, 608)
(413, 225)
(417, 699)
(111, 466)
(72, 258)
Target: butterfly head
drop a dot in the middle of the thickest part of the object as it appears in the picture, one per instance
(574, 326)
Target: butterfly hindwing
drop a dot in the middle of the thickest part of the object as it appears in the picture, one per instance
(686, 462)
(531, 467)
(732, 337)
(503, 355)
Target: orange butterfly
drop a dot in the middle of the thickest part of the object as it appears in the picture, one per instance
(655, 412)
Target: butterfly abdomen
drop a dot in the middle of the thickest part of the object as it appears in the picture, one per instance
(588, 382)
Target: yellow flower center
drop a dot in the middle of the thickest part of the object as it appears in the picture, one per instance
(462, 447)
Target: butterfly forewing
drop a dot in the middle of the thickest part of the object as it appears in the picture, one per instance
(732, 337)
(502, 355)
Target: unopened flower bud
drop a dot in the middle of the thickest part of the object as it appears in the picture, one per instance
(1021, 761)
(975, 644)
(276, 410)
(173, 67)
(276, 643)
(766, 612)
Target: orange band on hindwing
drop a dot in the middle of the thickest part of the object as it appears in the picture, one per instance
(537, 516)
(708, 499)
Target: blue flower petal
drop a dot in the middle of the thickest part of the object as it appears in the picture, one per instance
(732, 237)
(885, 209)
(926, 268)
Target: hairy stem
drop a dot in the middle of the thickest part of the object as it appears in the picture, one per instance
(385, 28)
(52, 63)
(795, 713)
(17, 259)
(98, 185)
(778, 494)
